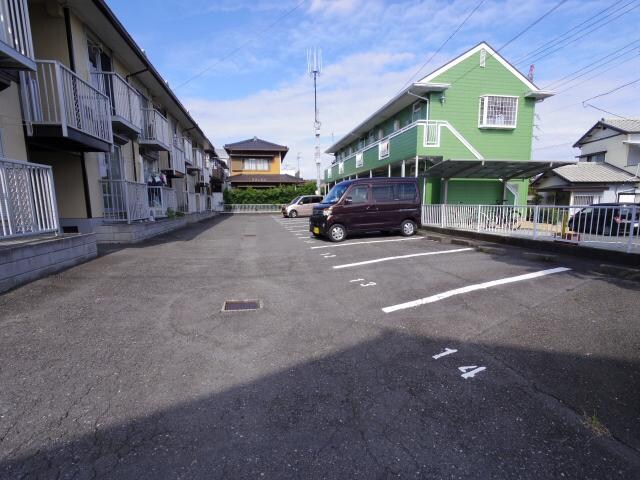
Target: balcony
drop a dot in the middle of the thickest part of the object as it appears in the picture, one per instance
(161, 199)
(155, 131)
(177, 167)
(27, 200)
(188, 152)
(16, 45)
(126, 104)
(64, 112)
(124, 201)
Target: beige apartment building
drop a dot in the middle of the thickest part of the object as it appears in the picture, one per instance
(92, 139)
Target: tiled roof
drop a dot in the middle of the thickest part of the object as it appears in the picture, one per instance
(591, 172)
(264, 178)
(627, 125)
(256, 143)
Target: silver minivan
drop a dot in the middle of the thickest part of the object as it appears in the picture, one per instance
(301, 206)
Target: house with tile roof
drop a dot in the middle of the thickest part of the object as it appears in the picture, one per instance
(608, 169)
(257, 163)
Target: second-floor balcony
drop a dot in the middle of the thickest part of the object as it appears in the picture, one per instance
(155, 131)
(126, 104)
(16, 45)
(63, 111)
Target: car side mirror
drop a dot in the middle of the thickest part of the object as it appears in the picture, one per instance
(348, 200)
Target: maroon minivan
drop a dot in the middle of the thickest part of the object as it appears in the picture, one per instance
(365, 205)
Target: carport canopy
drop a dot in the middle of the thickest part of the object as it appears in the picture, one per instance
(503, 170)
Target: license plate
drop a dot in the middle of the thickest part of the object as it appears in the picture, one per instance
(316, 230)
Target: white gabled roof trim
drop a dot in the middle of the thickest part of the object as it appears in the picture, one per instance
(474, 50)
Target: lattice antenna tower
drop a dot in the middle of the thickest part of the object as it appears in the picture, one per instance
(314, 67)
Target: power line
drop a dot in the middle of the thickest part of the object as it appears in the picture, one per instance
(572, 76)
(242, 45)
(558, 5)
(612, 90)
(606, 111)
(558, 38)
(549, 51)
(445, 42)
(535, 22)
(597, 74)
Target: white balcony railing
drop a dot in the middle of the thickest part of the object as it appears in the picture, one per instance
(54, 95)
(188, 150)
(27, 199)
(198, 158)
(161, 199)
(155, 129)
(125, 100)
(15, 29)
(609, 227)
(124, 201)
(177, 156)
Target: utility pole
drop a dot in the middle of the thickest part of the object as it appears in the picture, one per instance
(314, 67)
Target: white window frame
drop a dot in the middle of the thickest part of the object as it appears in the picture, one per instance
(245, 164)
(359, 160)
(329, 172)
(380, 134)
(396, 125)
(384, 148)
(483, 58)
(340, 168)
(482, 112)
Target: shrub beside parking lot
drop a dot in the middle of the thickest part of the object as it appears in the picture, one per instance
(272, 196)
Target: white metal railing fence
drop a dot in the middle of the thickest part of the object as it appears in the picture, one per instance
(187, 147)
(27, 199)
(155, 128)
(177, 157)
(432, 133)
(54, 95)
(15, 29)
(124, 201)
(611, 227)
(251, 208)
(125, 100)
(161, 199)
(198, 158)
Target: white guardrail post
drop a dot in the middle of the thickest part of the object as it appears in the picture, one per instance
(634, 216)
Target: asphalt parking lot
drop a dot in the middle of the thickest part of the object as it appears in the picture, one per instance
(380, 357)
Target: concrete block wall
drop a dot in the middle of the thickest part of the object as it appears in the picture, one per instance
(24, 262)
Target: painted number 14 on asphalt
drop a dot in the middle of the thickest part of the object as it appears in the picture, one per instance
(468, 371)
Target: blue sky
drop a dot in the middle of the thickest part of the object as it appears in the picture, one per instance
(371, 48)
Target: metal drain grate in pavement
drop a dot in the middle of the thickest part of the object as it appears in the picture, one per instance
(240, 305)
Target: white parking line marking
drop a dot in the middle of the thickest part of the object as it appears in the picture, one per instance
(472, 288)
(447, 351)
(472, 373)
(372, 241)
(357, 280)
(399, 257)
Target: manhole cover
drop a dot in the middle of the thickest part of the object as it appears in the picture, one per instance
(240, 305)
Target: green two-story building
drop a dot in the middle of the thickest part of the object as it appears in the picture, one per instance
(465, 129)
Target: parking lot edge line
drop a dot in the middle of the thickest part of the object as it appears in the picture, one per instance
(472, 288)
(399, 257)
(372, 241)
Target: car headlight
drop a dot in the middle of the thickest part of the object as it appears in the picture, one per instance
(326, 212)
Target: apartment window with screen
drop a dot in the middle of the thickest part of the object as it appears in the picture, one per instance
(259, 164)
(498, 112)
(396, 125)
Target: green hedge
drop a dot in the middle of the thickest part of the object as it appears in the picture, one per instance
(273, 196)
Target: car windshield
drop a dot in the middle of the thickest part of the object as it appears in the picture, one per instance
(295, 200)
(335, 193)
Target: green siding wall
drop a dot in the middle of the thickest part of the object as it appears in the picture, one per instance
(462, 105)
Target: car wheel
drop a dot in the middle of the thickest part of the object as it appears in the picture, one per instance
(293, 214)
(408, 228)
(337, 233)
